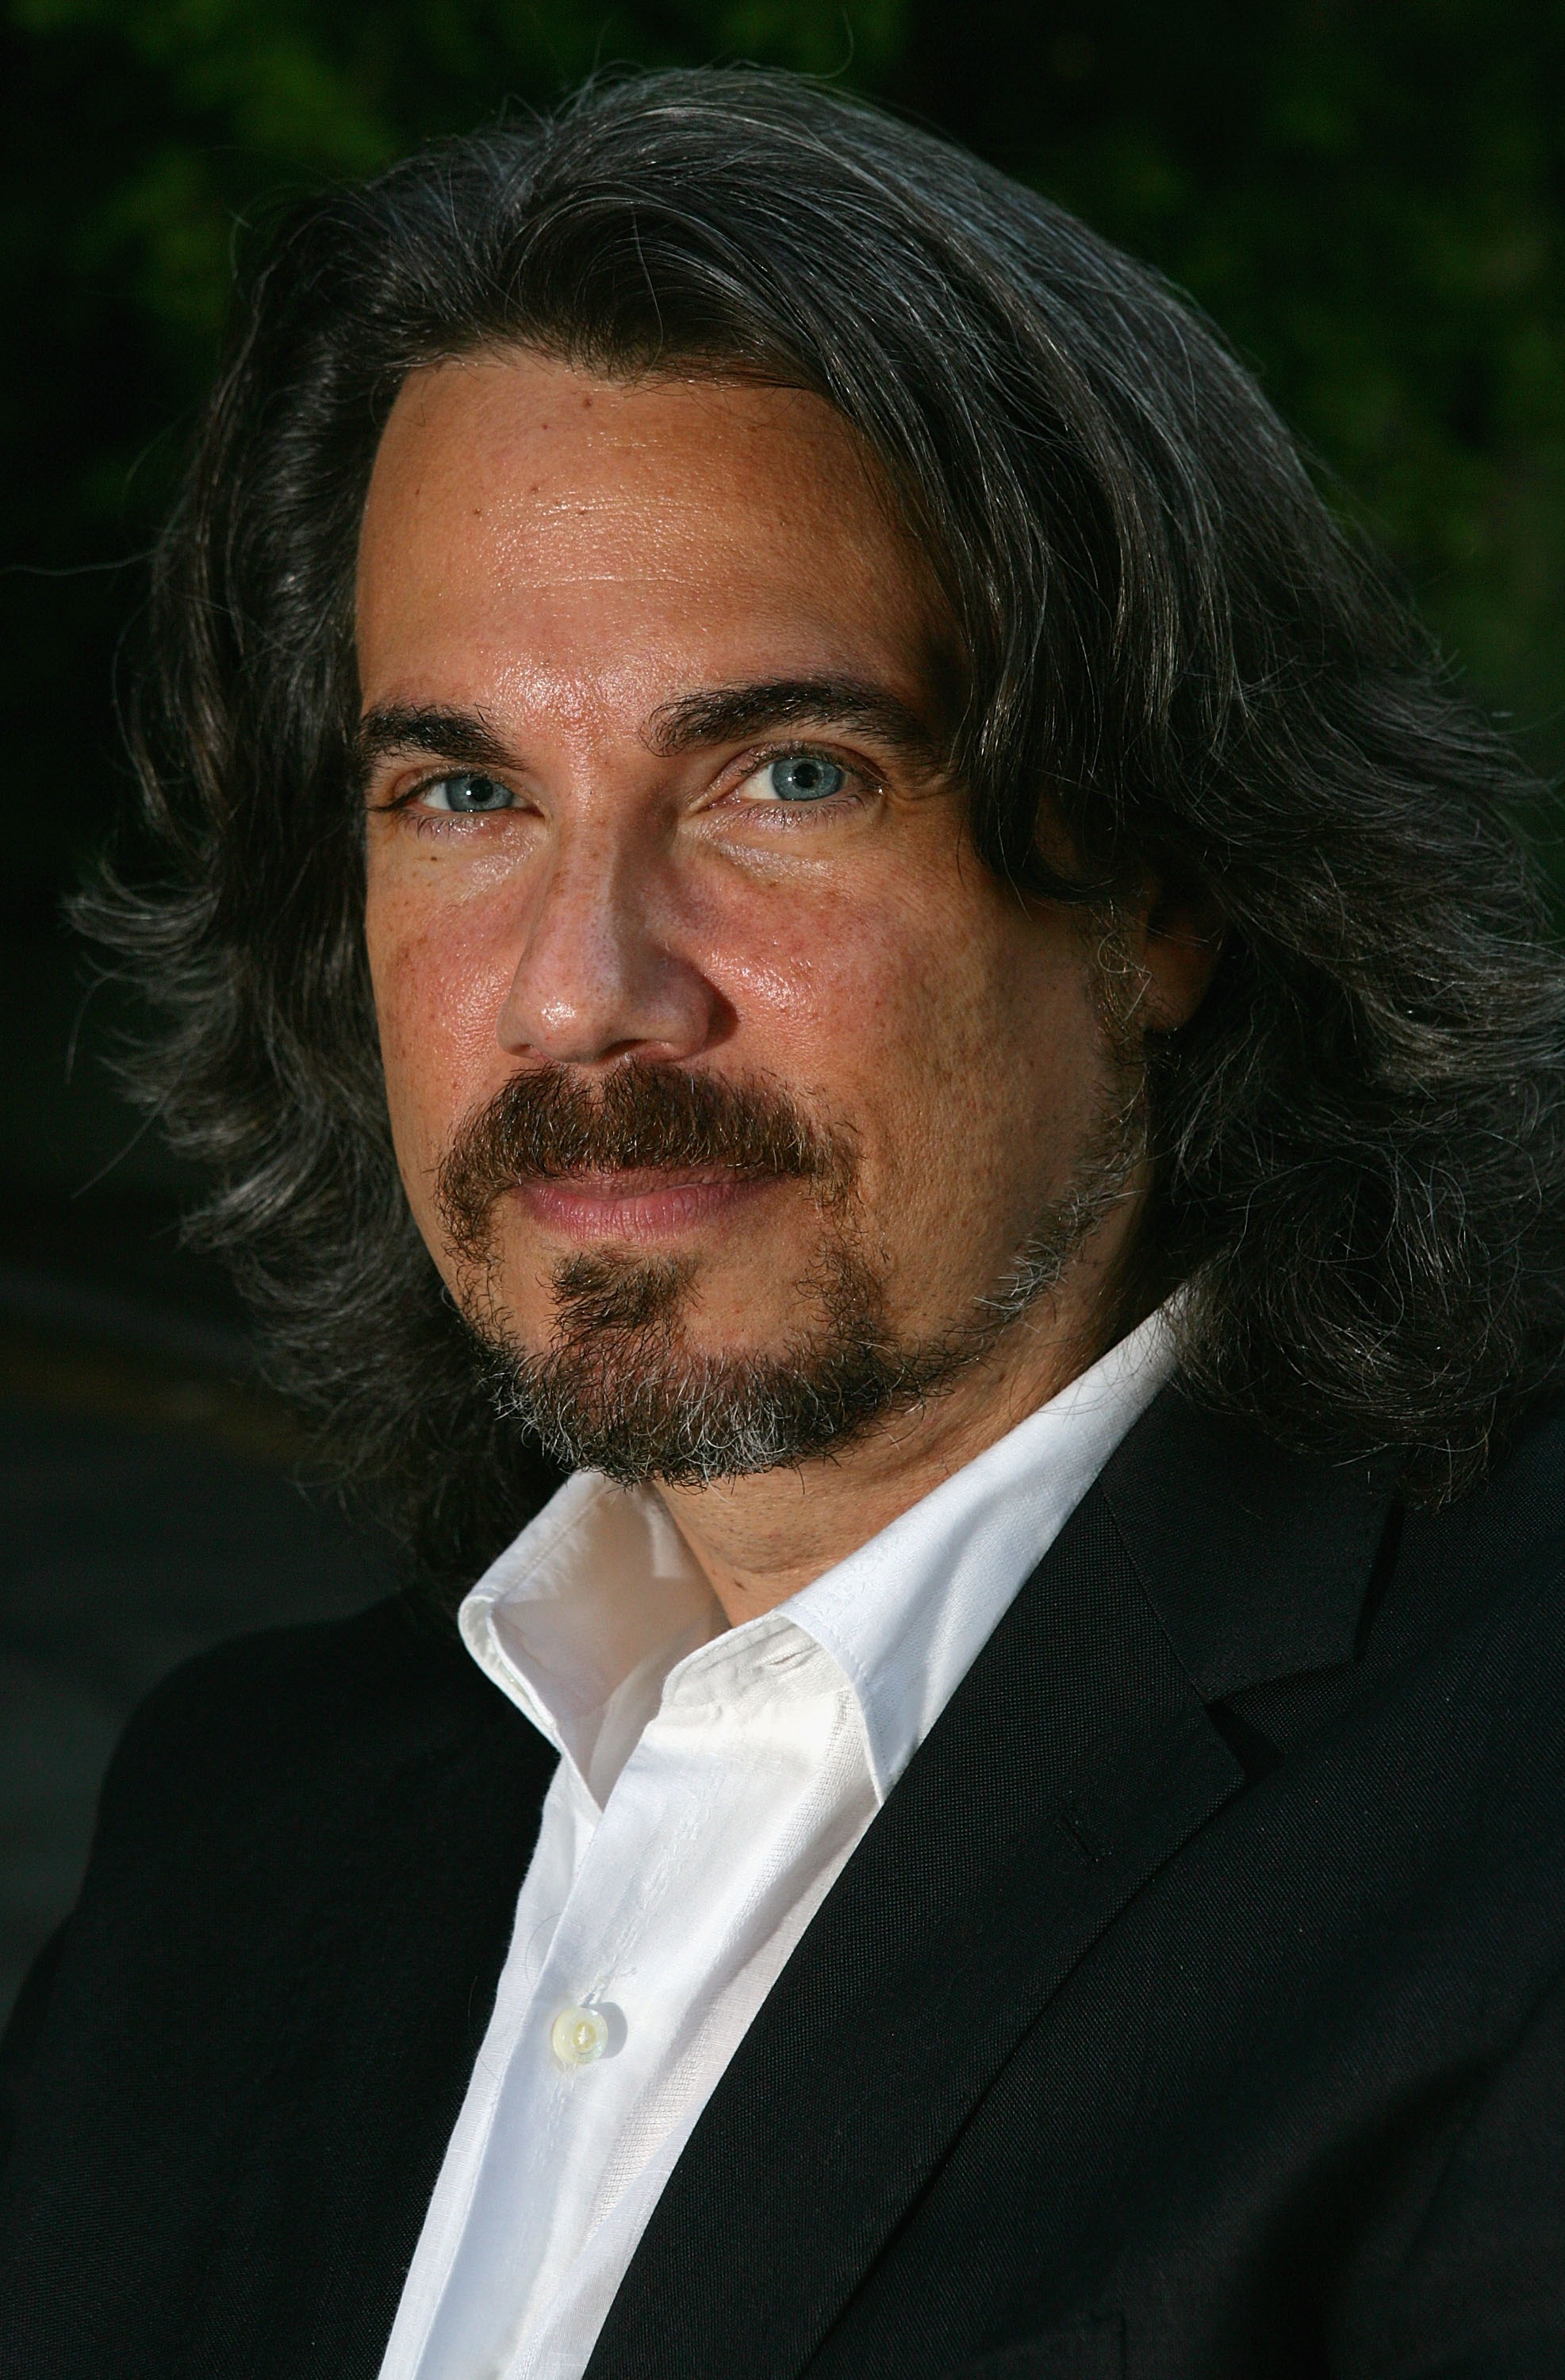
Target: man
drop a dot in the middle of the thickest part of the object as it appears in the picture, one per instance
(798, 866)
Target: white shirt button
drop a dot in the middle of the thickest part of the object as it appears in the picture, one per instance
(579, 2036)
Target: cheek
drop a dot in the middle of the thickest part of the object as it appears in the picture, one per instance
(440, 981)
(964, 1045)
(821, 987)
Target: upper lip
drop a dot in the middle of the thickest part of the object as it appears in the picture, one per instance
(640, 1181)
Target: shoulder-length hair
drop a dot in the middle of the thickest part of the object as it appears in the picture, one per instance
(1358, 1141)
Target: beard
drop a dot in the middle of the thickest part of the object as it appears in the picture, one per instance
(621, 1386)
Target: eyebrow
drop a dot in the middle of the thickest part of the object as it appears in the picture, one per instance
(465, 736)
(724, 714)
(727, 714)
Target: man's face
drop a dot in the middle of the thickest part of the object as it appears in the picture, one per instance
(720, 1069)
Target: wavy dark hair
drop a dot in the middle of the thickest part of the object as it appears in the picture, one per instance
(1358, 1141)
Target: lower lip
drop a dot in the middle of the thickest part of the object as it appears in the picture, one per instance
(601, 1208)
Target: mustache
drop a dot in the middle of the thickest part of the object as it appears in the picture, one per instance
(548, 1123)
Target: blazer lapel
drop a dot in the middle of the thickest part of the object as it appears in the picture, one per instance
(1074, 1761)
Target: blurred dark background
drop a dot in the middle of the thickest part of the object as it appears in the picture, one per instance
(1369, 196)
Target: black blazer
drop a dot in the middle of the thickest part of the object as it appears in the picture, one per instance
(1193, 2010)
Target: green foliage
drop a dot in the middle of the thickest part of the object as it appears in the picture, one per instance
(237, 97)
(1371, 202)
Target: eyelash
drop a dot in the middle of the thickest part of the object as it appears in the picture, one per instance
(434, 821)
(791, 815)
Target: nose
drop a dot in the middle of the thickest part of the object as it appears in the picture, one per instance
(600, 975)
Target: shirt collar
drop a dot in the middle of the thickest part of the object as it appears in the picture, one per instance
(584, 1619)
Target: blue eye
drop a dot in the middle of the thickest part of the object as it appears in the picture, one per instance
(805, 777)
(468, 792)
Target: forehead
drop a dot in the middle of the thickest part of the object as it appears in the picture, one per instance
(524, 513)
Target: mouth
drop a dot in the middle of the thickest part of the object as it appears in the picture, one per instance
(644, 1206)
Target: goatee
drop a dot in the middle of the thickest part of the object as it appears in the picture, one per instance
(620, 1387)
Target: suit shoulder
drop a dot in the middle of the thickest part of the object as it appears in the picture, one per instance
(291, 1711)
(1507, 1539)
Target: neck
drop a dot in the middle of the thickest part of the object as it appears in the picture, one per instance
(762, 1539)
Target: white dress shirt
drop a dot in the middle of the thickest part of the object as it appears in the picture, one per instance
(713, 1782)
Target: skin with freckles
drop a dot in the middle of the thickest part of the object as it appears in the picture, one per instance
(652, 691)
